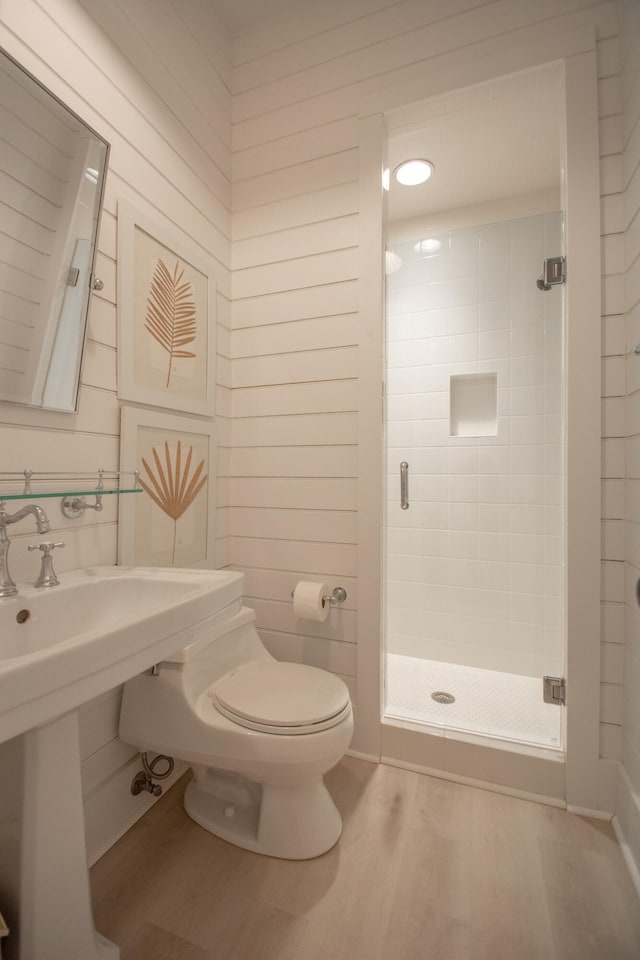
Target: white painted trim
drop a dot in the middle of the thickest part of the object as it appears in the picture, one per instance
(627, 853)
(605, 815)
(626, 824)
(367, 757)
(471, 782)
(590, 782)
(370, 421)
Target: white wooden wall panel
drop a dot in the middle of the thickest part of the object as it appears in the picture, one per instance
(303, 366)
(343, 40)
(330, 299)
(257, 44)
(288, 151)
(163, 102)
(334, 234)
(334, 428)
(311, 334)
(301, 461)
(627, 711)
(295, 555)
(327, 493)
(328, 170)
(331, 526)
(324, 203)
(293, 274)
(324, 397)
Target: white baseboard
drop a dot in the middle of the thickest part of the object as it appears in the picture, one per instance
(586, 812)
(110, 809)
(471, 782)
(626, 824)
(358, 755)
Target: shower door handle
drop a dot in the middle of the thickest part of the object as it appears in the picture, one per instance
(404, 485)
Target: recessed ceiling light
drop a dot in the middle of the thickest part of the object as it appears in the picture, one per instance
(412, 172)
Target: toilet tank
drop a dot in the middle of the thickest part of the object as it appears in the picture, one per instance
(226, 646)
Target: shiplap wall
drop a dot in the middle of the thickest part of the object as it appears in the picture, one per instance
(629, 262)
(297, 83)
(153, 77)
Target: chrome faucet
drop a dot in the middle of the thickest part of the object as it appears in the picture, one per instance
(7, 586)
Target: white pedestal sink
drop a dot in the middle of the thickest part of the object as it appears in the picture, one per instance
(59, 648)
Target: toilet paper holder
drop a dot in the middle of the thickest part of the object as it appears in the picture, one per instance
(337, 595)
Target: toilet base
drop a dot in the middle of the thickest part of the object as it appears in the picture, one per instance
(292, 821)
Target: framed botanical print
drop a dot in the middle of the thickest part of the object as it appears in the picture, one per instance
(172, 523)
(166, 316)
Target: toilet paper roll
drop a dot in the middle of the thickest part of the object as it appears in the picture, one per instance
(307, 600)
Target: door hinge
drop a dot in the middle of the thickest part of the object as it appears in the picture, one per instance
(554, 271)
(73, 275)
(554, 690)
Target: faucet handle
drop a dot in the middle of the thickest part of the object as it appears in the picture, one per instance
(47, 576)
(46, 547)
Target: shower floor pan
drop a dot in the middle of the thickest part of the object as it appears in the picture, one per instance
(487, 702)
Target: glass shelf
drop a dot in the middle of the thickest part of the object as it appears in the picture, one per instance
(67, 485)
(66, 493)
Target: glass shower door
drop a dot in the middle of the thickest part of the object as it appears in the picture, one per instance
(474, 408)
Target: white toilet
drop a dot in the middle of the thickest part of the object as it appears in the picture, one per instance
(258, 733)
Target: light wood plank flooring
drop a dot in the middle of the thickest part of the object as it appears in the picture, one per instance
(424, 869)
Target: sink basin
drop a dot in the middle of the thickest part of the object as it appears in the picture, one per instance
(63, 645)
(59, 647)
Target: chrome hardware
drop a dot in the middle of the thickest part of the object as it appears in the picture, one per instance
(73, 276)
(97, 284)
(554, 690)
(7, 586)
(337, 595)
(47, 576)
(143, 780)
(404, 485)
(554, 271)
(442, 696)
(74, 507)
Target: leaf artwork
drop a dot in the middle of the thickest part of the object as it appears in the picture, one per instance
(172, 489)
(171, 312)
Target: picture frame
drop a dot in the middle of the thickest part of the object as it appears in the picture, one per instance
(166, 316)
(172, 522)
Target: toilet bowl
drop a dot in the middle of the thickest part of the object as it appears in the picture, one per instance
(258, 733)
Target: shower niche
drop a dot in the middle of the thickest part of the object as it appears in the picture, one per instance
(473, 405)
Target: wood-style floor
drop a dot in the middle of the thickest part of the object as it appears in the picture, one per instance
(424, 869)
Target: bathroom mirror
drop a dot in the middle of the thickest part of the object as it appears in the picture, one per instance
(52, 174)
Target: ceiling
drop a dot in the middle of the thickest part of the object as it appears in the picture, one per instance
(496, 140)
(238, 16)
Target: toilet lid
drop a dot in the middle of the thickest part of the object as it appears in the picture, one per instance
(282, 696)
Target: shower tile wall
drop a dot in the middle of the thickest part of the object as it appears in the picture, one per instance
(474, 566)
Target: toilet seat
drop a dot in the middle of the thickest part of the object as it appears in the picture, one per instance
(281, 698)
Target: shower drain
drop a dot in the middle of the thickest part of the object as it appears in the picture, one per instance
(440, 696)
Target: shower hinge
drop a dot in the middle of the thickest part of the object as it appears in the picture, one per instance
(554, 690)
(554, 271)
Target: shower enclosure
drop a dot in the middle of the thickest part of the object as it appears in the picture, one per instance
(474, 547)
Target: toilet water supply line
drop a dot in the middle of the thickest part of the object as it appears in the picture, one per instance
(143, 780)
